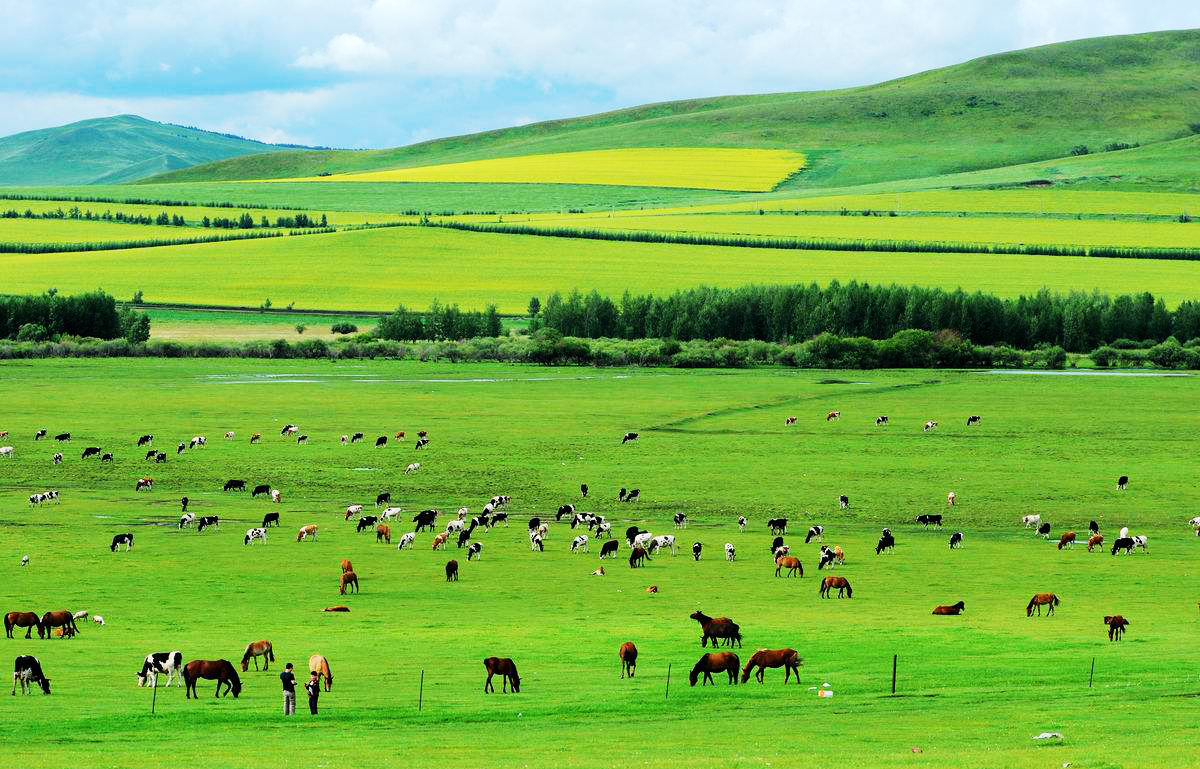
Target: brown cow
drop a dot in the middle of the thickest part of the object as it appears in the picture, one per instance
(951, 610)
(628, 655)
(452, 571)
(1067, 540)
(439, 542)
(307, 532)
(1096, 540)
(832, 415)
(348, 579)
(383, 533)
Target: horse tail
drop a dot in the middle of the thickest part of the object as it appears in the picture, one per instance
(8, 624)
(849, 591)
(270, 653)
(1055, 601)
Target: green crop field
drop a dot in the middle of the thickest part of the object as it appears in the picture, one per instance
(972, 690)
(79, 231)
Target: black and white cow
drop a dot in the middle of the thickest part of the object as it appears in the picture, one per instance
(464, 537)
(815, 532)
(91, 451)
(929, 520)
(629, 437)
(206, 521)
(826, 558)
(381, 441)
(182, 447)
(237, 485)
(160, 457)
(844, 502)
(632, 533)
(730, 553)
(1094, 527)
(583, 489)
(1122, 482)
(1044, 530)
(122, 539)
(106, 457)
(633, 495)
(151, 454)
(776, 544)
(680, 521)
(366, 522)
(565, 510)
(187, 519)
(356, 437)
(421, 443)
(956, 540)
(609, 549)
(258, 534)
(145, 439)
(425, 519)
(886, 542)
(580, 544)
(1123, 543)
(973, 420)
(500, 518)
(28, 670)
(881, 421)
(697, 548)
(742, 521)
(474, 551)
(383, 499)
(170, 663)
(58, 458)
(197, 440)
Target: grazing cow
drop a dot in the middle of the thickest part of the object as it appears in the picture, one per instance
(637, 555)
(144, 483)
(197, 441)
(1122, 482)
(827, 558)
(106, 457)
(537, 542)
(207, 520)
(302, 440)
(1116, 626)
(412, 468)
(256, 437)
(319, 665)
(91, 451)
(609, 549)
(929, 520)
(956, 540)
(951, 499)
(406, 540)
(348, 579)
(730, 553)
(664, 541)
(383, 499)
(366, 522)
(506, 669)
(27, 670)
(160, 457)
(180, 448)
(421, 443)
(151, 454)
(458, 524)
(235, 485)
(930, 425)
(276, 496)
(381, 441)
(633, 495)
(631, 532)
(463, 538)
(628, 655)
(420, 434)
(26, 619)
(122, 539)
(1049, 600)
(580, 544)
(500, 518)
(697, 548)
(270, 518)
(230, 435)
(742, 521)
(882, 420)
(886, 542)
(1096, 540)
(1093, 527)
(389, 513)
(474, 551)
(778, 525)
(1031, 520)
(1195, 523)
(307, 532)
(1067, 540)
(973, 420)
(58, 458)
(383, 533)
(951, 610)
(187, 519)
(841, 583)
(221, 670)
(566, 510)
(776, 544)
(789, 421)
(680, 521)
(793, 566)
(718, 662)
(621, 494)
(39, 434)
(439, 542)
(643, 539)
(425, 519)
(345, 439)
(1142, 542)
(844, 502)
(451, 571)
(262, 488)
(583, 489)
(815, 532)
(63, 437)
(255, 535)
(1044, 531)
(629, 437)
(353, 510)
(170, 663)
(832, 415)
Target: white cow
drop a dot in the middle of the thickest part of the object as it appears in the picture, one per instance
(1032, 520)
(98, 620)
(389, 513)
(407, 540)
(580, 543)
(6, 452)
(1195, 522)
(353, 510)
(187, 519)
(412, 468)
(643, 539)
(951, 499)
(276, 496)
(455, 525)
(730, 553)
(256, 534)
(665, 541)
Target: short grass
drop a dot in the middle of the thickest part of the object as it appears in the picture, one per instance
(197, 325)
(745, 170)
(80, 231)
(972, 691)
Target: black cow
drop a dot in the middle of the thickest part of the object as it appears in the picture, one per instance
(28, 670)
(972, 420)
(366, 522)
(383, 499)
(629, 437)
(1123, 543)
(381, 441)
(500, 518)
(621, 494)
(566, 510)
(776, 544)
(122, 539)
(956, 540)
(633, 495)
(778, 525)
(632, 532)
(183, 503)
(815, 532)
(235, 485)
(583, 489)
(886, 542)
(159, 458)
(463, 537)
(144, 440)
(262, 488)
(1094, 527)
(534, 523)
(108, 457)
(207, 520)
(1122, 482)
(929, 520)
(1044, 530)
(62, 437)
(91, 451)
(270, 518)
(844, 502)
(609, 549)
(696, 548)
(151, 454)
(425, 518)
(356, 437)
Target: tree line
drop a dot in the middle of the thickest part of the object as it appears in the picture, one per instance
(51, 316)
(298, 220)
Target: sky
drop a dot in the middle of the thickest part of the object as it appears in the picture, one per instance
(383, 73)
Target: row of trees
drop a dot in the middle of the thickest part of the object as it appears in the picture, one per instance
(440, 322)
(243, 222)
(51, 316)
(1078, 322)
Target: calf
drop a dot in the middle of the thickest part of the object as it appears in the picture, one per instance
(187, 519)
(742, 521)
(356, 437)
(352, 510)
(107, 457)
(832, 415)
(633, 495)
(696, 550)
(255, 535)
(180, 448)
(63, 437)
(1094, 541)
(383, 533)
(951, 499)
(886, 542)
(151, 454)
(302, 440)
(583, 489)
(276, 496)
(425, 519)
(609, 549)
(412, 468)
(956, 540)
(160, 457)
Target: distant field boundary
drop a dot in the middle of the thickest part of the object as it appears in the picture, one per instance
(119, 245)
(142, 201)
(828, 244)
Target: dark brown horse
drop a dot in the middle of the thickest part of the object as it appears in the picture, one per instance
(628, 655)
(717, 628)
(256, 649)
(1116, 627)
(25, 619)
(505, 668)
(792, 565)
(953, 609)
(221, 670)
(762, 659)
(637, 555)
(1049, 600)
(348, 579)
(841, 583)
(451, 571)
(718, 662)
(53, 619)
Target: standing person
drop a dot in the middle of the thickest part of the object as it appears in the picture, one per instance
(313, 687)
(289, 690)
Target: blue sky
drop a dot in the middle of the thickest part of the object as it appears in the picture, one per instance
(391, 72)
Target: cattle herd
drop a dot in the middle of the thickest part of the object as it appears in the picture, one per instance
(465, 529)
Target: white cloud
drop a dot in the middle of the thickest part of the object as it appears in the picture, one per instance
(345, 53)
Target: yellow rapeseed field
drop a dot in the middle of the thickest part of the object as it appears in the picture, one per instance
(750, 170)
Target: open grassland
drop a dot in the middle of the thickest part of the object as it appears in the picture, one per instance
(199, 325)
(80, 231)
(752, 170)
(972, 690)
(377, 269)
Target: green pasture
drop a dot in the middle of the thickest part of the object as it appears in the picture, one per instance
(201, 325)
(972, 690)
(79, 231)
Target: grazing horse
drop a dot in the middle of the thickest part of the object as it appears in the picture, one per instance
(841, 583)
(347, 566)
(628, 654)
(717, 628)
(1096, 540)
(25, 619)
(1049, 600)
(28, 670)
(221, 670)
(762, 659)
(452, 571)
(348, 579)
(53, 619)
(257, 649)
(1067, 540)
(793, 565)
(319, 665)
(953, 609)
(1116, 627)
(637, 555)
(504, 667)
(1123, 543)
(717, 662)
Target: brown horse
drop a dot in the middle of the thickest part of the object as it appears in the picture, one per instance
(1049, 600)
(637, 555)
(383, 533)
(505, 668)
(53, 619)
(793, 565)
(787, 659)
(1116, 627)
(719, 662)
(717, 628)
(221, 670)
(951, 610)
(347, 566)
(452, 571)
(1096, 540)
(628, 655)
(319, 665)
(348, 579)
(25, 619)
(1067, 540)
(257, 649)
(841, 583)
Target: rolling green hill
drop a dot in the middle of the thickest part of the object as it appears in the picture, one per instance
(112, 150)
(1007, 109)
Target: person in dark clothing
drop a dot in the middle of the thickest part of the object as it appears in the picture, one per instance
(289, 690)
(313, 687)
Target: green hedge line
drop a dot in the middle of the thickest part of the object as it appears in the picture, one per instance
(117, 245)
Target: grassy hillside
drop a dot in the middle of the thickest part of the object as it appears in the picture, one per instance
(112, 150)
(1000, 110)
